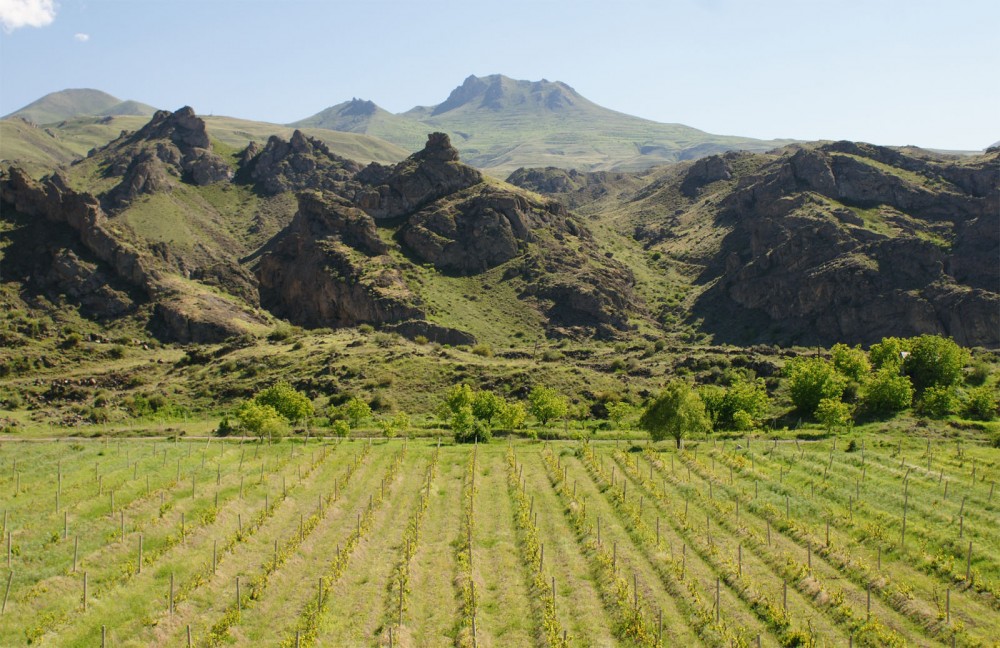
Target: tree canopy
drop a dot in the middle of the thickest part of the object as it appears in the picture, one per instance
(676, 413)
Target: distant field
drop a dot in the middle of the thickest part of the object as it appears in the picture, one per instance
(523, 544)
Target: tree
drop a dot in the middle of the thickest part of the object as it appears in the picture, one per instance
(546, 404)
(810, 380)
(458, 396)
(260, 420)
(833, 413)
(887, 392)
(851, 362)
(749, 397)
(619, 413)
(938, 402)
(486, 405)
(512, 416)
(981, 403)
(287, 401)
(356, 410)
(889, 353)
(676, 413)
(934, 360)
(341, 428)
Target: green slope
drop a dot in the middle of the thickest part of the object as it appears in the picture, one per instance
(499, 124)
(66, 104)
(364, 117)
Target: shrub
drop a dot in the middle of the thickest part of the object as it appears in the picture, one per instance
(850, 362)
(512, 416)
(289, 403)
(810, 380)
(71, 341)
(421, 339)
(938, 402)
(981, 403)
(833, 413)
(225, 427)
(483, 350)
(888, 354)
(887, 393)
(340, 428)
(934, 360)
(260, 420)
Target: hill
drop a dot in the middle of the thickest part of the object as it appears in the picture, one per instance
(810, 244)
(67, 104)
(360, 116)
(499, 124)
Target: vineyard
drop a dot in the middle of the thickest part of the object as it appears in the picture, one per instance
(421, 543)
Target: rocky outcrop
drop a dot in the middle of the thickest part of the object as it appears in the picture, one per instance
(328, 268)
(474, 231)
(414, 329)
(389, 192)
(172, 147)
(107, 274)
(851, 243)
(299, 163)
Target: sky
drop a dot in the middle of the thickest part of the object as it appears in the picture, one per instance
(891, 72)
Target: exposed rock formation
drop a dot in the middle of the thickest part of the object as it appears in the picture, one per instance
(435, 172)
(327, 269)
(172, 145)
(850, 242)
(300, 163)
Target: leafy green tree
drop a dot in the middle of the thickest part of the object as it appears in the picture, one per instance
(287, 401)
(512, 416)
(934, 360)
(743, 421)
(938, 402)
(676, 413)
(833, 413)
(468, 428)
(486, 405)
(458, 396)
(886, 392)
(851, 362)
(546, 404)
(981, 403)
(260, 420)
(810, 380)
(888, 354)
(713, 397)
(749, 397)
(356, 410)
(619, 413)
(341, 428)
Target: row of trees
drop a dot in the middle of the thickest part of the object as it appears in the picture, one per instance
(926, 372)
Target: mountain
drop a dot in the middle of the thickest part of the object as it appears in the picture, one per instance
(67, 104)
(201, 241)
(360, 116)
(499, 124)
(811, 244)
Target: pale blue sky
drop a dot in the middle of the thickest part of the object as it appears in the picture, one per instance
(885, 71)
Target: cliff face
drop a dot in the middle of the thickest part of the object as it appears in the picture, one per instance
(849, 242)
(330, 268)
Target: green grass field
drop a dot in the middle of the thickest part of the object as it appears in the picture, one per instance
(361, 542)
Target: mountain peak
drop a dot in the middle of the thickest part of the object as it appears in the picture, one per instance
(497, 92)
(79, 102)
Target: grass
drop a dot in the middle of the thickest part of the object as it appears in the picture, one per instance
(827, 581)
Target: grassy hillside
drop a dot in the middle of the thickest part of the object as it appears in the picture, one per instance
(500, 124)
(36, 149)
(67, 104)
(358, 116)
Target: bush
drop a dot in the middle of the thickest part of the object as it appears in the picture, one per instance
(546, 404)
(260, 420)
(421, 339)
(938, 402)
(833, 413)
(810, 380)
(340, 428)
(887, 393)
(225, 427)
(71, 341)
(981, 403)
(888, 354)
(355, 411)
(850, 362)
(934, 361)
(289, 403)
(483, 350)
